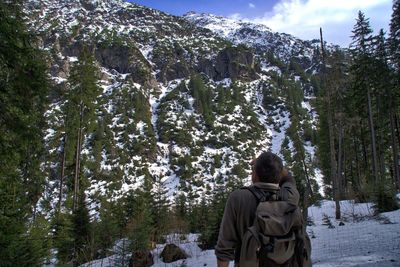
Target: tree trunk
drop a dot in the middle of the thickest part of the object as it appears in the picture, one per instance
(358, 168)
(77, 160)
(395, 152)
(76, 176)
(381, 126)
(345, 174)
(373, 143)
(62, 172)
(331, 136)
(396, 121)
(340, 163)
(364, 149)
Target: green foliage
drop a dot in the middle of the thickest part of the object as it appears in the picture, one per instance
(108, 228)
(203, 99)
(23, 93)
(140, 225)
(63, 237)
(82, 233)
(385, 200)
(209, 232)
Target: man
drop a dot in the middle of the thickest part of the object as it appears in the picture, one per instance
(268, 174)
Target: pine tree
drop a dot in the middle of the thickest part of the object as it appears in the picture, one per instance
(80, 111)
(140, 227)
(209, 234)
(394, 38)
(361, 49)
(82, 233)
(160, 209)
(23, 100)
(394, 45)
(63, 239)
(203, 99)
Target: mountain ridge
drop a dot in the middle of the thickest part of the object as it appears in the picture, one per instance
(200, 93)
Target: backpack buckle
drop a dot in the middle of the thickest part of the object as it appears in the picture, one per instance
(269, 248)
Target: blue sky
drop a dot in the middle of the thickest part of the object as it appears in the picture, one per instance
(219, 7)
(301, 18)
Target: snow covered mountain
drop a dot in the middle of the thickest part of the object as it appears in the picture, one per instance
(186, 101)
(283, 46)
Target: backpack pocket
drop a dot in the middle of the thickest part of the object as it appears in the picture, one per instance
(257, 248)
(280, 249)
(250, 249)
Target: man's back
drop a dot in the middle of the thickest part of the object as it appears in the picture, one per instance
(240, 213)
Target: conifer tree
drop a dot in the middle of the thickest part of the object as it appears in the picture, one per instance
(209, 233)
(296, 159)
(23, 100)
(202, 95)
(361, 49)
(140, 227)
(394, 36)
(394, 45)
(80, 111)
(160, 208)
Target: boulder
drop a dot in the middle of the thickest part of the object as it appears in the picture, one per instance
(172, 252)
(141, 259)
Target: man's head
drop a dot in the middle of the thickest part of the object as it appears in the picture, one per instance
(267, 168)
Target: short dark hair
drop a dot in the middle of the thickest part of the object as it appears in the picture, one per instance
(268, 167)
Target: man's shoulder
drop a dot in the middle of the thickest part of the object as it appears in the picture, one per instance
(241, 194)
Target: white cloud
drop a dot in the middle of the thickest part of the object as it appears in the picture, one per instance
(236, 16)
(303, 18)
(251, 5)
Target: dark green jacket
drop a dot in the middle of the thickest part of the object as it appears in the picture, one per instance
(239, 216)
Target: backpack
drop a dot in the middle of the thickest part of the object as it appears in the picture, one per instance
(276, 237)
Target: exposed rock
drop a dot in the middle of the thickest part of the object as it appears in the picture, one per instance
(172, 62)
(89, 5)
(172, 252)
(141, 259)
(235, 63)
(177, 70)
(114, 57)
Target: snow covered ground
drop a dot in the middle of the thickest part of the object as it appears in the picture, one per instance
(363, 240)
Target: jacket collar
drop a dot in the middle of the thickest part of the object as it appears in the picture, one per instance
(267, 186)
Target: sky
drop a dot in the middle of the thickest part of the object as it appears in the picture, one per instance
(301, 18)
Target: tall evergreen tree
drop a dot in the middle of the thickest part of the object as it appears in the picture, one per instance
(82, 233)
(329, 101)
(161, 210)
(394, 35)
(80, 111)
(361, 49)
(394, 45)
(23, 100)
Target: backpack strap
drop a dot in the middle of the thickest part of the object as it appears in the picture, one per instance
(259, 194)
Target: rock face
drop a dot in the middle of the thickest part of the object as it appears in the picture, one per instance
(235, 63)
(172, 252)
(141, 259)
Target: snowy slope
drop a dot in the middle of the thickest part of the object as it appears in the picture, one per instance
(259, 36)
(144, 55)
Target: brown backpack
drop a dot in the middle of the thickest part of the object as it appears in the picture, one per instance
(276, 237)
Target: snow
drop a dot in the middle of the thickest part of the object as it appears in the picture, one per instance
(318, 176)
(279, 135)
(72, 59)
(364, 240)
